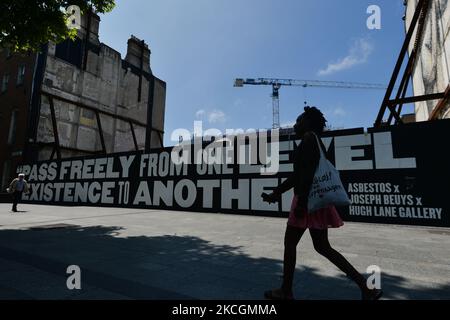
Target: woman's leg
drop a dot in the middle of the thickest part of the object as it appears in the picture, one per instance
(322, 246)
(291, 239)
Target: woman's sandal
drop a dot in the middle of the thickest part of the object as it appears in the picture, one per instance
(374, 294)
(277, 294)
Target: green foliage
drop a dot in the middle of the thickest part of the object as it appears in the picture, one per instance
(26, 25)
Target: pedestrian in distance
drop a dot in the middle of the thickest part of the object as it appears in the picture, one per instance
(308, 127)
(17, 187)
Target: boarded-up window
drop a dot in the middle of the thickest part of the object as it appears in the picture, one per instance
(88, 118)
(70, 51)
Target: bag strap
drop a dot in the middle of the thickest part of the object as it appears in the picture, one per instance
(319, 145)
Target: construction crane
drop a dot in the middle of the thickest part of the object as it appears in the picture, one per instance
(277, 83)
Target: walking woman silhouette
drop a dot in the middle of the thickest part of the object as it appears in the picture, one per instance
(306, 159)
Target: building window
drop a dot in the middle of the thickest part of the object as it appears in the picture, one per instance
(5, 82)
(8, 53)
(88, 118)
(21, 75)
(12, 128)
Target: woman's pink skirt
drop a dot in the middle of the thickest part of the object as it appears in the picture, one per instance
(320, 219)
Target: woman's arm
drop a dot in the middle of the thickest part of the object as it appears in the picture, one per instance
(285, 185)
(308, 160)
(306, 157)
(275, 196)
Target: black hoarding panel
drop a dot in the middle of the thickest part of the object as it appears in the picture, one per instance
(394, 175)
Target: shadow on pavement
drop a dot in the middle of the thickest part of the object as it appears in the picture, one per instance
(159, 267)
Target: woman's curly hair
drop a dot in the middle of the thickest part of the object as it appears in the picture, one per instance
(315, 118)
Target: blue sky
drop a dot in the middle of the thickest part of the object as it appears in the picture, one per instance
(200, 46)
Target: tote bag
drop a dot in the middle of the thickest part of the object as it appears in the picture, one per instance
(327, 188)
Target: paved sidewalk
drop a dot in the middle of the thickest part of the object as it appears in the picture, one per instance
(156, 254)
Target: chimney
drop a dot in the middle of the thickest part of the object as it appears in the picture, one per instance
(92, 20)
(137, 53)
